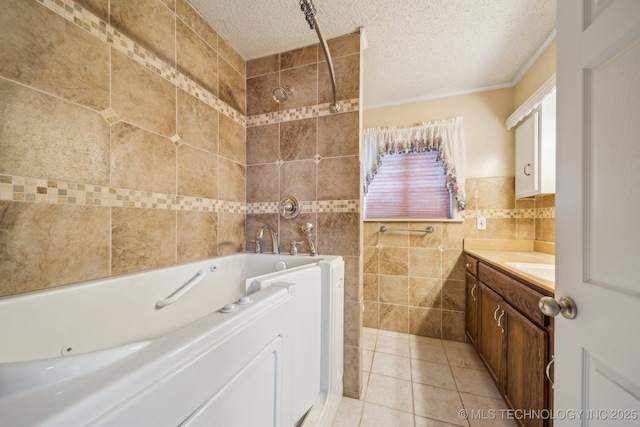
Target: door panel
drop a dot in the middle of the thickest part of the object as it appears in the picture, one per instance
(597, 201)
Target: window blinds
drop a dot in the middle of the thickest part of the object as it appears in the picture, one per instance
(410, 185)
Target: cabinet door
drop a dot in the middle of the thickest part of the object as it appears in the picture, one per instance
(471, 304)
(527, 163)
(525, 384)
(491, 334)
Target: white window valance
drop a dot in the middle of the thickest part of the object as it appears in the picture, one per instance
(444, 136)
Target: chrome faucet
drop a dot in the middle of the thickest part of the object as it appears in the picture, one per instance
(274, 238)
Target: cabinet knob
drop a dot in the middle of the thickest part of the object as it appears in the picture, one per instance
(528, 165)
(565, 306)
(468, 265)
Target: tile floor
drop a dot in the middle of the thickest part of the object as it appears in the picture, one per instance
(423, 382)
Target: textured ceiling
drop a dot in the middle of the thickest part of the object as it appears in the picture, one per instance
(418, 49)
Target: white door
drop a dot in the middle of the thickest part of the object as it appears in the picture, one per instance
(597, 365)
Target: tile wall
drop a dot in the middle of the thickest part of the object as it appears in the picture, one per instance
(300, 148)
(122, 140)
(414, 282)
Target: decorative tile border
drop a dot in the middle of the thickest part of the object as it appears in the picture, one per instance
(25, 189)
(302, 113)
(510, 213)
(82, 18)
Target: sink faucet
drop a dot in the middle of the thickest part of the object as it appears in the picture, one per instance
(274, 237)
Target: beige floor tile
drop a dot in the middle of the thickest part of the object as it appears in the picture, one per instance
(367, 358)
(425, 340)
(433, 352)
(391, 365)
(381, 416)
(392, 345)
(435, 374)
(390, 392)
(428, 422)
(349, 413)
(475, 382)
(485, 411)
(369, 339)
(462, 355)
(393, 334)
(365, 383)
(437, 403)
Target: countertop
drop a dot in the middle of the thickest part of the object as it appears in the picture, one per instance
(499, 252)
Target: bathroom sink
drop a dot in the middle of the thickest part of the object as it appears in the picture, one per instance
(541, 271)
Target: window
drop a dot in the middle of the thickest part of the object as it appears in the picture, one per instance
(414, 173)
(411, 185)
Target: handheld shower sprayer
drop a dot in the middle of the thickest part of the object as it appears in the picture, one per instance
(307, 227)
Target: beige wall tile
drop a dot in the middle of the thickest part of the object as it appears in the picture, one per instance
(339, 135)
(298, 179)
(197, 172)
(370, 259)
(265, 65)
(453, 295)
(370, 315)
(304, 84)
(351, 323)
(496, 193)
(352, 283)
(197, 235)
(141, 97)
(370, 287)
(371, 233)
(230, 233)
(99, 8)
(142, 239)
(233, 177)
(232, 86)
(453, 264)
(454, 233)
(425, 292)
(42, 50)
(453, 326)
(263, 144)
(548, 230)
(232, 57)
(394, 261)
(232, 140)
(196, 59)
(352, 380)
(298, 57)
(189, 16)
(45, 245)
(290, 231)
(395, 239)
(343, 46)
(259, 94)
(425, 240)
(298, 139)
(425, 262)
(525, 229)
(425, 321)
(263, 183)
(394, 318)
(499, 228)
(347, 71)
(142, 160)
(336, 178)
(338, 233)
(148, 22)
(197, 123)
(394, 289)
(45, 137)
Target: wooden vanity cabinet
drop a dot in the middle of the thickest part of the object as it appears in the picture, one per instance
(513, 338)
(471, 304)
(491, 333)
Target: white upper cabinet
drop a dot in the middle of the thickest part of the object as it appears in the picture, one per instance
(535, 162)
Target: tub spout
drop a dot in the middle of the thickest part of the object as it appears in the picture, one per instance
(274, 237)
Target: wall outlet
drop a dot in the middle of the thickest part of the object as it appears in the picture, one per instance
(481, 223)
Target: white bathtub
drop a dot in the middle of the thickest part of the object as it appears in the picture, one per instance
(104, 353)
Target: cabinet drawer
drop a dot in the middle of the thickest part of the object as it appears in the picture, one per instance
(471, 265)
(520, 296)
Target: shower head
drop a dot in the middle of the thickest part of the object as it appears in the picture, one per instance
(281, 94)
